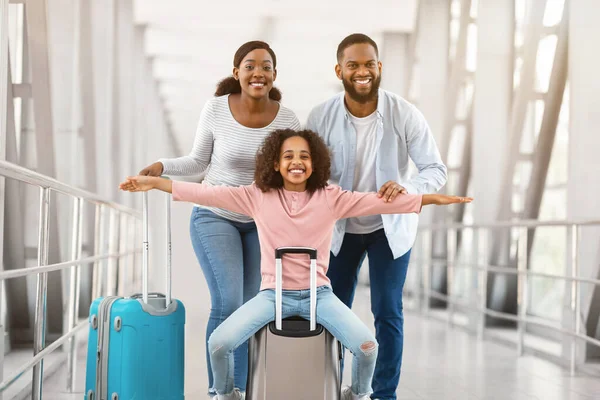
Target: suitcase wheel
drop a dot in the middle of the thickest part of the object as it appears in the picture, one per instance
(114, 396)
(90, 395)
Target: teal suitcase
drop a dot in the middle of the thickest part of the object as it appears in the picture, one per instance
(136, 346)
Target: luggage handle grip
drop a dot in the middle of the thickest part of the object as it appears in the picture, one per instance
(145, 250)
(279, 252)
(151, 295)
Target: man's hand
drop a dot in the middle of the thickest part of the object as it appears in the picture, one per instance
(155, 169)
(390, 190)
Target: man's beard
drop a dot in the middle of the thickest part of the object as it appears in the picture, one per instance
(362, 98)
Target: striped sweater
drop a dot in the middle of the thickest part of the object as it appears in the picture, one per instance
(225, 149)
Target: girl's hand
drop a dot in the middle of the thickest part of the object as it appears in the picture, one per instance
(443, 200)
(138, 184)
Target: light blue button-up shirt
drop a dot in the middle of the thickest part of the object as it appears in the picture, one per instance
(402, 134)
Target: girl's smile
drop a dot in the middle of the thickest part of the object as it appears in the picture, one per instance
(295, 163)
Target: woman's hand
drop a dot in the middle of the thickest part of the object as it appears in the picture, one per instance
(138, 183)
(443, 200)
(155, 169)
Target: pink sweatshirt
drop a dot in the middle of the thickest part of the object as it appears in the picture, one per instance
(285, 218)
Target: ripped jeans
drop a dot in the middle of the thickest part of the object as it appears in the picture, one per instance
(336, 317)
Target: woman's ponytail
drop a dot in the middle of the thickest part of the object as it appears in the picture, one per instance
(275, 94)
(227, 86)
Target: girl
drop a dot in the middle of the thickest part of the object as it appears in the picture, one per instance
(232, 126)
(292, 205)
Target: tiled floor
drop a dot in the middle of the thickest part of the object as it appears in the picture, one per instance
(439, 363)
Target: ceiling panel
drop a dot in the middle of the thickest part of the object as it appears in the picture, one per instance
(192, 43)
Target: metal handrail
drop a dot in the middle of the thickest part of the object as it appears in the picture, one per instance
(522, 272)
(47, 184)
(522, 223)
(25, 175)
(509, 271)
(38, 357)
(18, 273)
(511, 317)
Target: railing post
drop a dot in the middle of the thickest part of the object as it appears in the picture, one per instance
(522, 283)
(73, 298)
(418, 271)
(113, 240)
(97, 274)
(39, 337)
(573, 232)
(482, 275)
(4, 93)
(450, 260)
(473, 274)
(427, 267)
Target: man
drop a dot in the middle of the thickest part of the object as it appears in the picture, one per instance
(372, 134)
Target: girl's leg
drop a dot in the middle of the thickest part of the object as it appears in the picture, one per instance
(218, 247)
(338, 319)
(252, 278)
(236, 330)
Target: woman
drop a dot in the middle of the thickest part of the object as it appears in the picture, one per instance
(231, 129)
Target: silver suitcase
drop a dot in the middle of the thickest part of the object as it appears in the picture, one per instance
(294, 359)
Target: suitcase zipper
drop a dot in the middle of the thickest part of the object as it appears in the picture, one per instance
(102, 349)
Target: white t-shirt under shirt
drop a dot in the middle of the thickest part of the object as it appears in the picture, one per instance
(364, 171)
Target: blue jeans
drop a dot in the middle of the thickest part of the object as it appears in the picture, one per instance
(229, 255)
(331, 313)
(387, 276)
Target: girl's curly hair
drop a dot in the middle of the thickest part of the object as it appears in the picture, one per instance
(267, 178)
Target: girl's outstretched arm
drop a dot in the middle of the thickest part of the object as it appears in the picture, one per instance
(443, 200)
(241, 199)
(145, 183)
(346, 204)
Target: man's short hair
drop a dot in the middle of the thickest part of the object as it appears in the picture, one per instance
(355, 38)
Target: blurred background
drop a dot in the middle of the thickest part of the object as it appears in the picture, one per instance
(93, 91)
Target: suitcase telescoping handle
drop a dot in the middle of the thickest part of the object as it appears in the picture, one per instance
(279, 252)
(145, 250)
